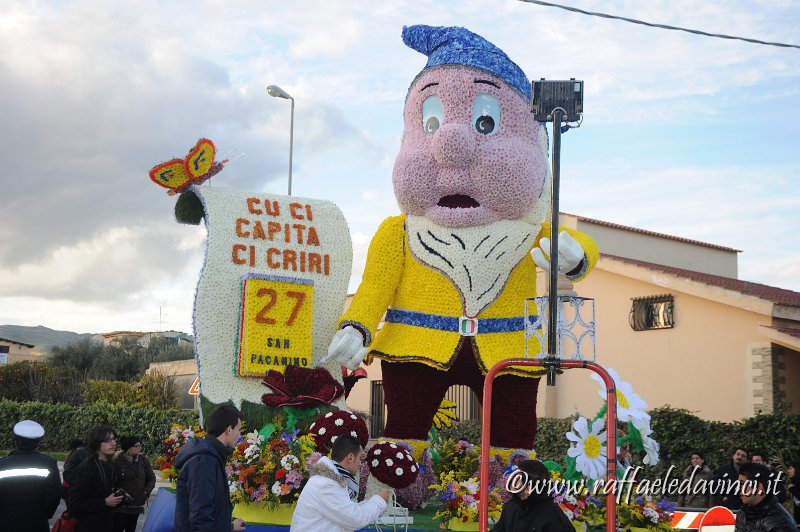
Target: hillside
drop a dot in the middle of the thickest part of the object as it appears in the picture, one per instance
(40, 336)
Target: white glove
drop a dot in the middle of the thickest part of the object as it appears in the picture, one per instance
(346, 348)
(570, 253)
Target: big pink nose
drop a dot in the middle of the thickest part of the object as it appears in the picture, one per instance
(454, 145)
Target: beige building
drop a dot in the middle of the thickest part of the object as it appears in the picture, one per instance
(184, 374)
(144, 338)
(673, 319)
(12, 351)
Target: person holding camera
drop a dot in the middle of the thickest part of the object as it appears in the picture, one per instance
(135, 476)
(92, 493)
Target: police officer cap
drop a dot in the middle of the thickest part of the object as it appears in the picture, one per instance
(29, 429)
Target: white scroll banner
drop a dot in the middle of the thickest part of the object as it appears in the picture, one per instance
(272, 286)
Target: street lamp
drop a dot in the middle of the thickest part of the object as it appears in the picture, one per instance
(277, 92)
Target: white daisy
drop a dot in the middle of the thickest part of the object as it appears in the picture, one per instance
(652, 448)
(630, 407)
(399, 471)
(590, 448)
(339, 422)
(643, 425)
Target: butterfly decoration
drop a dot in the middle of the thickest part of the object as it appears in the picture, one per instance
(179, 174)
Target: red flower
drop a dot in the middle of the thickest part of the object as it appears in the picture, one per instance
(301, 387)
(280, 473)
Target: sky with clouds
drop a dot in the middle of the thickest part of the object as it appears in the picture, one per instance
(682, 134)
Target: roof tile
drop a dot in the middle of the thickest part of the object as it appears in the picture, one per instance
(779, 296)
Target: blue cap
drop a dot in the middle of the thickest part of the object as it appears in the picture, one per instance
(458, 46)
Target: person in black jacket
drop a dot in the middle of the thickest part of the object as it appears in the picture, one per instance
(725, 481)
(30, 485)
(76, 455)
(793, 487)
(92, 496)
(135, 476)
(532, 508)
(761, 511)
(202, 501)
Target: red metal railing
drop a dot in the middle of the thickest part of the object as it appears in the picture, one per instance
(611, 431)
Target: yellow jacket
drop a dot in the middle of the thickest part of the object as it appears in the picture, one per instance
(395, 279)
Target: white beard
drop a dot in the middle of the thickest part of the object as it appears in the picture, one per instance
(478, 260)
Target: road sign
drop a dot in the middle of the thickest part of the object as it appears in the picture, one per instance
(195, 388)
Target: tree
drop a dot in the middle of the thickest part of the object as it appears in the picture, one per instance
(80, 356)
(55, 385)
(156, 390)
(163, 349)
(36, 381)
(124, 359)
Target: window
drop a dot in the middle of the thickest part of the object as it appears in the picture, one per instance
(467, 405)
(652, 312)
(4, 349)
(376, 409)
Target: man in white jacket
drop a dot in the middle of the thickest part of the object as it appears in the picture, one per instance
(328, 501)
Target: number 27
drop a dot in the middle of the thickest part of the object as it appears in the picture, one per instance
(272, 294)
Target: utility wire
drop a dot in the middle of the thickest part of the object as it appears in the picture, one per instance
(662, 26)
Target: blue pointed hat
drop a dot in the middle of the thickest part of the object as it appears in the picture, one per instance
(452, 45)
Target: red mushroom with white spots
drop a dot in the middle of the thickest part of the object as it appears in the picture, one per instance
(392, 464)
(330, 426)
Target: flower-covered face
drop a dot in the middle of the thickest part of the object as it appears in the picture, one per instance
(471, 152)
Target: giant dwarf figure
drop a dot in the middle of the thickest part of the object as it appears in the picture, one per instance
(453, 270)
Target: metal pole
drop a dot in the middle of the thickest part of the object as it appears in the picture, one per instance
(552, 322)
(611, 432)
(291, 145)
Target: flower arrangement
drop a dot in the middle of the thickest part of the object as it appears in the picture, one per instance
(641, 513)
(460, 499)
(178, 437)
(270, 470)
(460, 457)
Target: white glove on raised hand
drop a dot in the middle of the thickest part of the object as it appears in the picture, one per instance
(346, 348)
(570, 253)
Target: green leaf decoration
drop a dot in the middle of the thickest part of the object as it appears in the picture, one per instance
(257, 414)
(553, 466)
(295, 415)
(266, 431)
